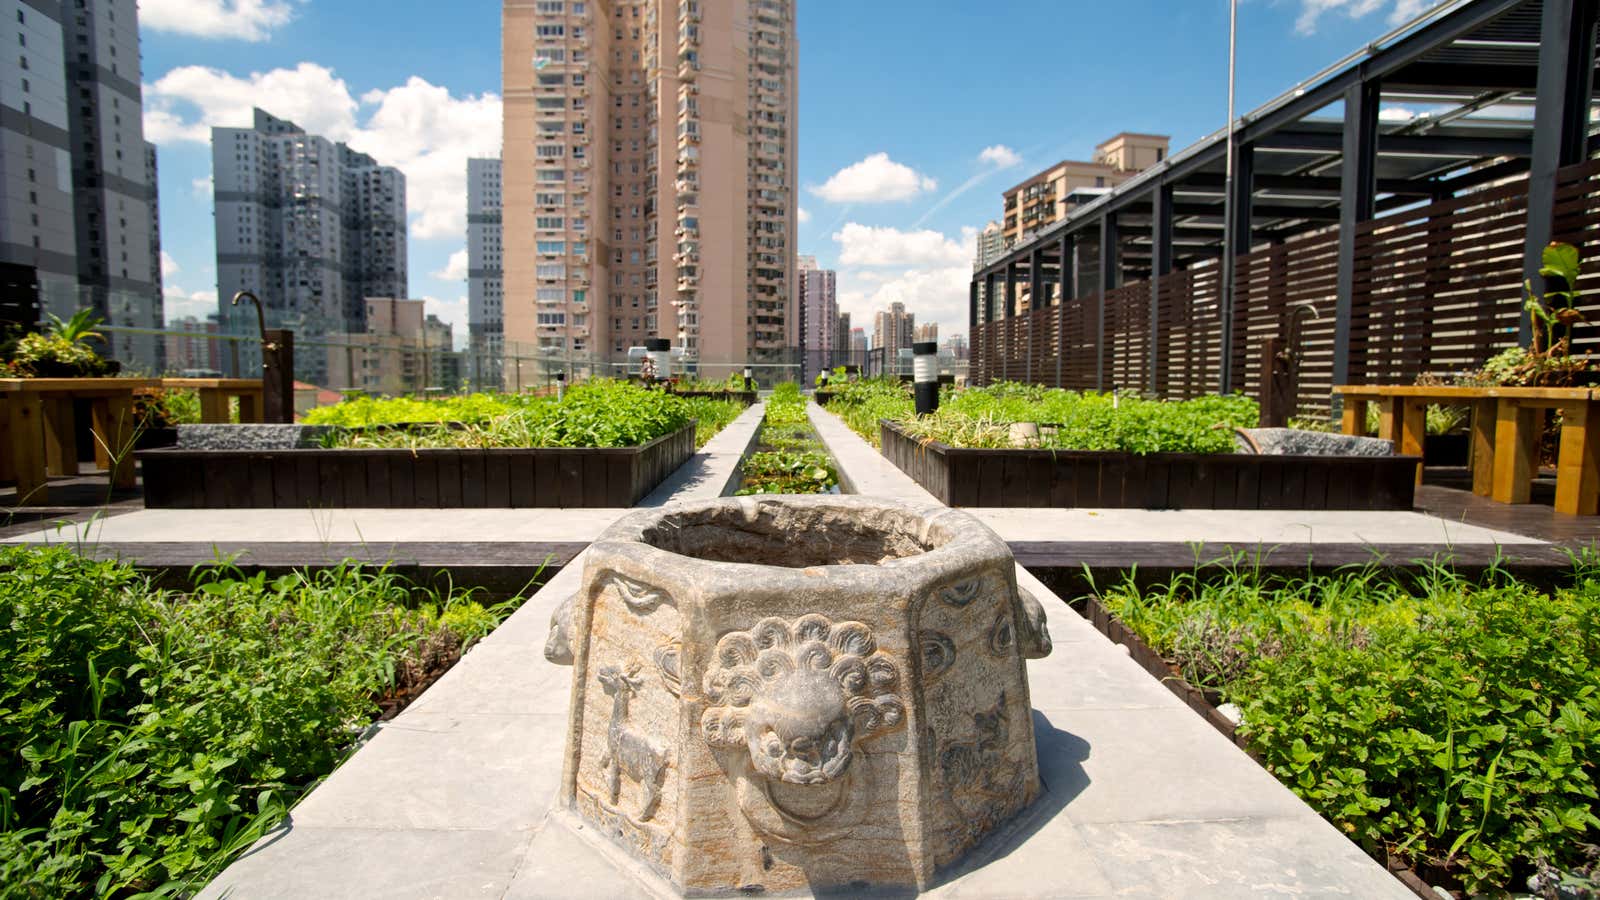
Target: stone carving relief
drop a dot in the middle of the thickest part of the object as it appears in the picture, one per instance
(640, 597)
(669, 662)
(938, 654)
(963, 593)
(790, 703)
(644, 758)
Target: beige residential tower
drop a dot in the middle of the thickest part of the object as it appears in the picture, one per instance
(648, 179)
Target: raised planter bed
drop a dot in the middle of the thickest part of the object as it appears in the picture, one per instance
(430, 478)
(748, 398)
(1076, 478)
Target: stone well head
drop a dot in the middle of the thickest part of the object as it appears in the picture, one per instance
(803, 692)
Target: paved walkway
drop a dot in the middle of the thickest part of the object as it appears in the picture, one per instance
(455, 796)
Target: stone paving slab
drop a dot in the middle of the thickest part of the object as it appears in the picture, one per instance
(1142, 798)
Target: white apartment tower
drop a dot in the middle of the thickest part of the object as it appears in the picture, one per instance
(78, 178)
(649, 178)
(310, 226)
(485, 292)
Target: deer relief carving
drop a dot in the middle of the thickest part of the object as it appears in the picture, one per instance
(642, 757)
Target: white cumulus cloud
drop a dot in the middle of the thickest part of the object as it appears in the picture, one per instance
(1000, 156)
(868, 245)
(934, 294)
(876, 179)
(1395, 114)
(801, 216)
(1400, 11)
(248, 20)
(177, 303)
(201, 187)
(455, 269)
(169, 266)
(418, 127)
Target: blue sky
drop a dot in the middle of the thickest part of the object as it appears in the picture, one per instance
(913, 115)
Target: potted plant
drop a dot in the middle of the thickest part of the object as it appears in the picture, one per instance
(62, 351)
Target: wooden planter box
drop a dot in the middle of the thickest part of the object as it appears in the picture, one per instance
(1076, 478)
(450, 478)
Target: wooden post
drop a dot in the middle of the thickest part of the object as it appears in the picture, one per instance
(1516, 447)
(60, 436)
(118, 429)
(1353, 418)
(214, 405)
(1483, 430)
(277, 376)
(1578, 460)
(27, 447)
(1413, 426)
(1277, 385)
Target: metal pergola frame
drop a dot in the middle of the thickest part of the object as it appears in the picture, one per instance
(1297, 173)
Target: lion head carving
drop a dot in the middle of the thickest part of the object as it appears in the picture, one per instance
(799, 696)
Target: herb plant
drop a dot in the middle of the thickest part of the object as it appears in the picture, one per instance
(1450, 723)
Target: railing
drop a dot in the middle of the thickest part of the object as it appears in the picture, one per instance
(1437, 288)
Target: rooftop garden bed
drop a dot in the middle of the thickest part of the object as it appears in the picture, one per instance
(148, 736)
(1445, 724)
(789, 458)
(1024, 445)
(605, 444)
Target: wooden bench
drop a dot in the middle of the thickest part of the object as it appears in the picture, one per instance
(1505, 435)
(215, 393)
(40, 430)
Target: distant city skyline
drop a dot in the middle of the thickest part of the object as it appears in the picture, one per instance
(902, 156)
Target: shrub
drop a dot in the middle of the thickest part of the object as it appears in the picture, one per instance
(596, 413)
(1453, 724)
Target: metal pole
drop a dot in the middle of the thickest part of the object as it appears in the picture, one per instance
(1229, 237)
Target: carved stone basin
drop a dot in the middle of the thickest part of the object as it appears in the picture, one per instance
(805, 692)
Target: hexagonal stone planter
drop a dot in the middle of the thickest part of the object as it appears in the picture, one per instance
(799, 693)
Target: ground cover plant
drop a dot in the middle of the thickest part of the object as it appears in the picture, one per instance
(147, 736)
(595, 413)
(862, 402)
(1447, 722)
(1068, 420)
(790, 459)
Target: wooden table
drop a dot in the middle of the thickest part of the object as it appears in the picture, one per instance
(41, 436)
(1505, 435)
(214, 394)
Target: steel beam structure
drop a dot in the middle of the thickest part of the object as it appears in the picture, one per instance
(1356, 206)
(1560, 121)
(1160, 264)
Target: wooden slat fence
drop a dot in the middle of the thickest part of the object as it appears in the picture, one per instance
(1438, 289)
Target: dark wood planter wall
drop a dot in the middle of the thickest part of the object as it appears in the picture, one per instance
(1076, 478)
(448, 478)
(746, 397)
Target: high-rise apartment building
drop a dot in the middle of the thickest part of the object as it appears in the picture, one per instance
(858, 344)
(928, 331)
(649, 178)
(893, 329)
(818, 306)
(485, 289)
(310, 226)
(991, 245)
(78, 177)
(841, 334)
(1048, 196)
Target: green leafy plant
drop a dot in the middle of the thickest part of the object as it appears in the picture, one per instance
(1450, 723)
(792, 460)
(595, 413)
(62, 351)
(149, 736)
